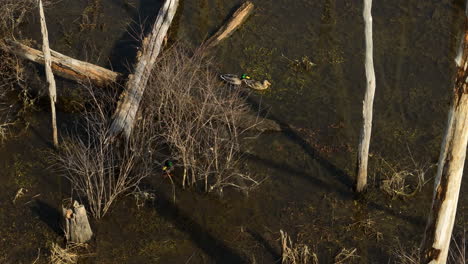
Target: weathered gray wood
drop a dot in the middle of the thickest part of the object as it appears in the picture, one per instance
(127, 107)
(49, 75)
(364, 141)
(76, 226)
(239, 17)
(436, 242)
(63, 65)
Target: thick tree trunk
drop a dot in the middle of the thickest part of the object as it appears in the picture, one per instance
(239, 17)
(76, 224)
(48, 71)
(441, 219)
(367, 103)
(124, 117)
(63, 65)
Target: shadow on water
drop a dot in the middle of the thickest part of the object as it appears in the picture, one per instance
(290, 133)
(123, 55)
(212, 246)
(262, 241)
(47, 214)
(344, 192)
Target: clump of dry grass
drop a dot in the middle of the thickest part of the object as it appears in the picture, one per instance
(67, 255)
(295, 254)
(399, 180)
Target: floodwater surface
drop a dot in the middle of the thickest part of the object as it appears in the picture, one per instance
(309, 166)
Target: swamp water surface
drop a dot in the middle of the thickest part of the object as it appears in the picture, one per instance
(309, 167)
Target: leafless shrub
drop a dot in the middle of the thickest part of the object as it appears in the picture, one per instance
(198, 119)
(98, 169)
(295, 254)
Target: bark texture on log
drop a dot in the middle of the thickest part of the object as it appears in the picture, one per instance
(127, 107)
(48, 70)
(436, 242)
(239, 17)
(63, 65)
(368, 102)
(76, 224)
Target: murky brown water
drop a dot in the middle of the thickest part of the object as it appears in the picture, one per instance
(309, 167)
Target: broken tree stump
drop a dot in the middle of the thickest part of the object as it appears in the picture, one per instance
(239, 17)
(127, 107)
(63, 65)
(76, 224)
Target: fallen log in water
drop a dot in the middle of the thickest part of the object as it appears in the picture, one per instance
(63, 65)
(239, 17)
(127, 107)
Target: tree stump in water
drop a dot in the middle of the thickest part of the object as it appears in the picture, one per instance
(76, 224)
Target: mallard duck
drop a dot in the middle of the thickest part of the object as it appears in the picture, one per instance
(168, 168)
(234, 79)
(231, 79)
(257, 85)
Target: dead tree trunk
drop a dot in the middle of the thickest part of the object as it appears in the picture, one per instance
(364, 143)
(48, 71)
(127, 106)
(63, 65)
(239, 17)
(76, 224)
(441, 219)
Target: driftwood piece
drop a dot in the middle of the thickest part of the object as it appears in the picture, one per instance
(76, 226)
(127, 107)
(63, 65)
(241, 14)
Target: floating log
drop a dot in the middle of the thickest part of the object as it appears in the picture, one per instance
(49, 75)
(76, 224)
(239, 17)
(63, 65)
(127, 107)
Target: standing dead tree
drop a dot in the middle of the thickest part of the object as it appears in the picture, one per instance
(441, 219)
(48, 70)
(127, 107)
(364, 141)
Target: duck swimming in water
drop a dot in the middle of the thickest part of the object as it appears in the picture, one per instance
(235, 80)
(257, 85)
